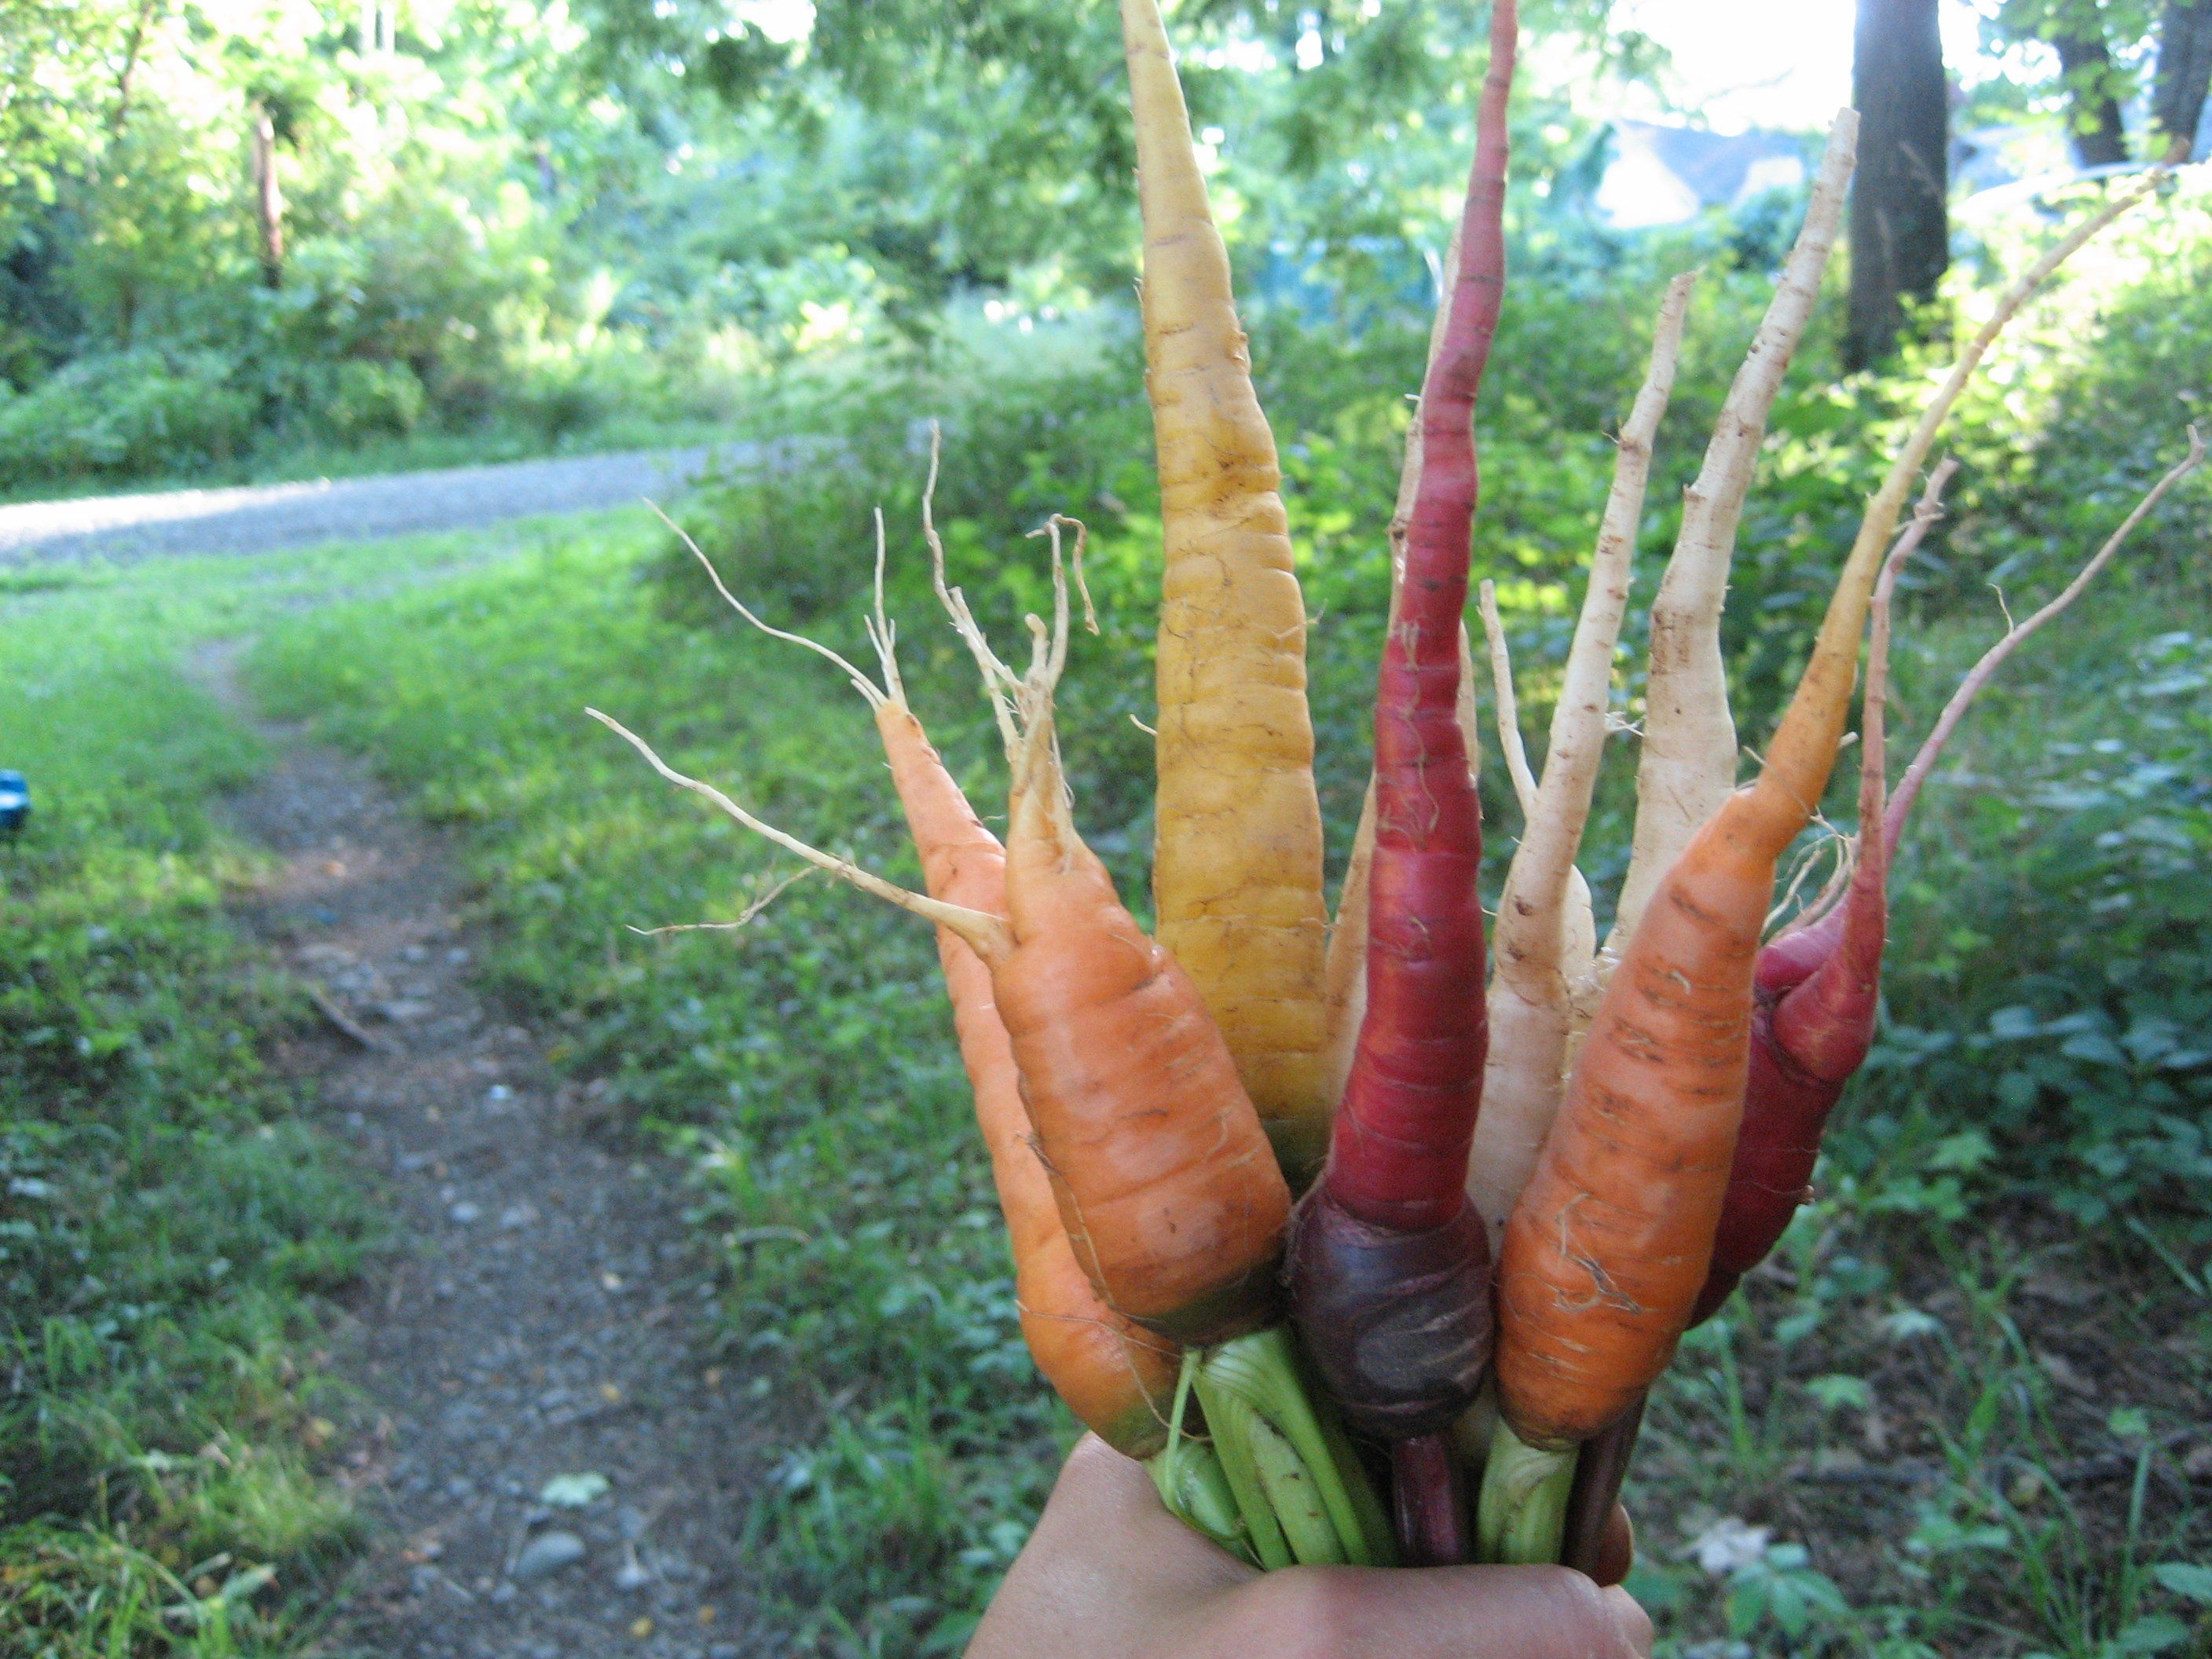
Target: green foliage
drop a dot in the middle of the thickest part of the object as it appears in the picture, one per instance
(125, 413)
(2047, 962)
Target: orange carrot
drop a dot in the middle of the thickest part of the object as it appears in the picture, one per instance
(1118, 1378)
(1164, 1178)
(1166, 1181)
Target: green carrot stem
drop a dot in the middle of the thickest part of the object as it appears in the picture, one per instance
(1230, 1418)
(1197, 1492)
(1375, 1528)
(1295, 1496)
(1522, 1518)
(1262, 1373)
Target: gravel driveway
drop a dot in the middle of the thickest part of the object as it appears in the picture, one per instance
(264, 518)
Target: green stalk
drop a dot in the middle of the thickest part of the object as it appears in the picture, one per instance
(1374, 1529)
(1258, 1379)
(1296, 1498)
(1521, 1519)
(1231, 1419)
(1196, 1493)
(1192, 1482)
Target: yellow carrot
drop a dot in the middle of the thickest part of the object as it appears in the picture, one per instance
(1237, 873)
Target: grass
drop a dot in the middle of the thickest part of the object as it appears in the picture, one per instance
(804, 1064)
(1959, 1408)
(170, 1221)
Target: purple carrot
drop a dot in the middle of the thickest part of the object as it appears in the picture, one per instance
(1390, 1263)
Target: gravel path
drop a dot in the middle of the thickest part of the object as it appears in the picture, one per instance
(554, 1465)
(264, 518)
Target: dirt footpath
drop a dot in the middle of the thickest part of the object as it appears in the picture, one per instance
(555, 1467)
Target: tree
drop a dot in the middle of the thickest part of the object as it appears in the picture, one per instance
(2104, 48)
(2185, 70)
(1900, 227)
(268, 198)
(2100, 136)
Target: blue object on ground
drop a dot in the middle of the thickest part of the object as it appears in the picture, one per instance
(14, 802)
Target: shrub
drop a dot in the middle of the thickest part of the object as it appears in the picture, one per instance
(123, 413)
(370, 399)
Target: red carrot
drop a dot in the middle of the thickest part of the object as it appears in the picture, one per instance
(1817, 987)
(1390, 1264)
(1809, 1038)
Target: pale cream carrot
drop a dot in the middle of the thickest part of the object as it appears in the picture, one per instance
(1545, 940)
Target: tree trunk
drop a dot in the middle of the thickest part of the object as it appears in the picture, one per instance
(2101, 137)
(134, 46)
(2184, 72)
(269, 198)
(1901, 230)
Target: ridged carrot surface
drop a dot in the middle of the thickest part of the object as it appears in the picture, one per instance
(1237, 873)
(1607, 1251)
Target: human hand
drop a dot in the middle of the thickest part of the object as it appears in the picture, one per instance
(1109, 1574)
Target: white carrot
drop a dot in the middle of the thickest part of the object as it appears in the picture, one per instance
(1546, 935)
(1689, 763)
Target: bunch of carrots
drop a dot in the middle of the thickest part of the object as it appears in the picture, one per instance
(1370, 1248)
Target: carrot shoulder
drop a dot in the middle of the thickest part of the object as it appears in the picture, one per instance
(1238, 874)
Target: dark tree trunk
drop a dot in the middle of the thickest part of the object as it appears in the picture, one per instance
(1900, 230)
(2185, 71)
(2101, 137)
(269, 198)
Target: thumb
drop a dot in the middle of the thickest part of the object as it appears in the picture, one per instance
(1444, 1613)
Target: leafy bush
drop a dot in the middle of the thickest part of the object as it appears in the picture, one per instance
(2047, 987)
(128, 412)
(368, 399)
